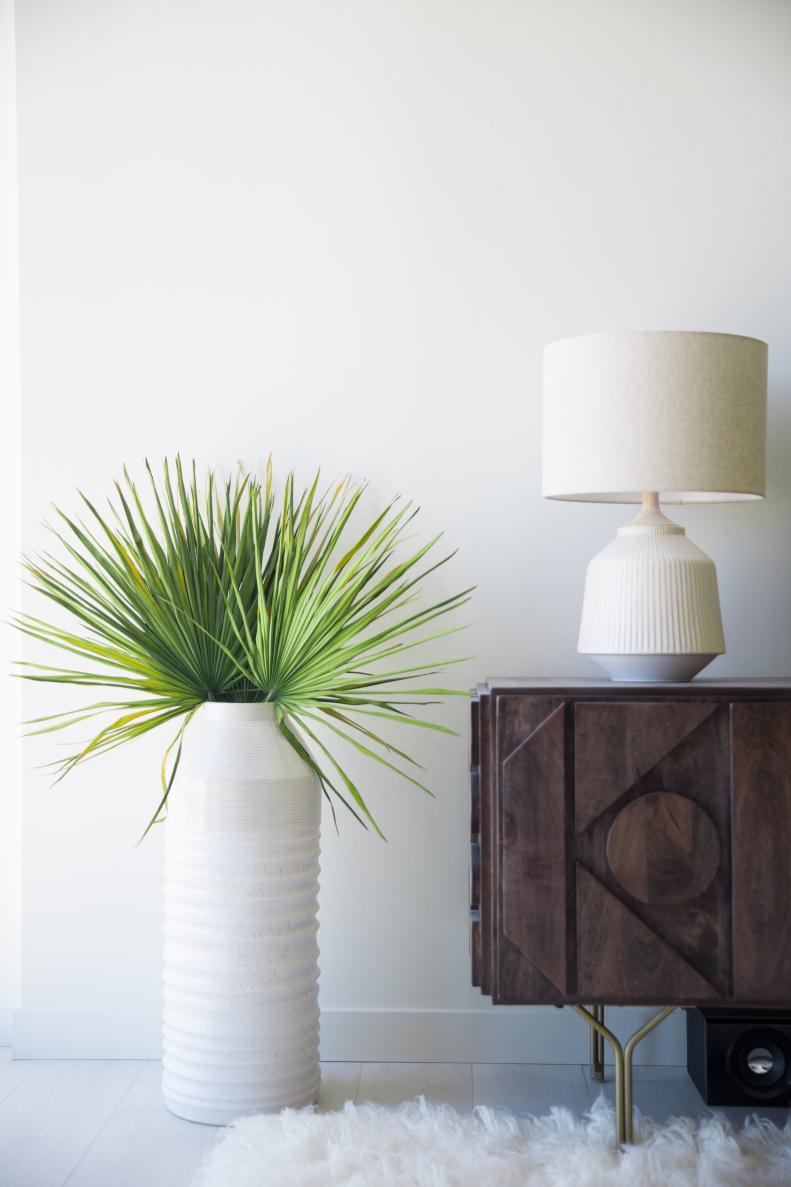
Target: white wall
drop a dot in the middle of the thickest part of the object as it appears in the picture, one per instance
(10, 690)
(342, 232)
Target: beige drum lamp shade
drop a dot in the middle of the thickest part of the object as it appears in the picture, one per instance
(683, 414)
(643, 417)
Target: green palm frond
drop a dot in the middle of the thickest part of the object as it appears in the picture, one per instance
(210, 594)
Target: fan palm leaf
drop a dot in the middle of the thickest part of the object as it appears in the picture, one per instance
(189, 593)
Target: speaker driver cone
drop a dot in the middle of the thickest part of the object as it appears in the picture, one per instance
(760, 1062)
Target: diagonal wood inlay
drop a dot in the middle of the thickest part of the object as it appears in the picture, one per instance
(534, 847)
(616, 744)
(619, 958)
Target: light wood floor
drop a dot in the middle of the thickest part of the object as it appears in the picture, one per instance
(101, 1123)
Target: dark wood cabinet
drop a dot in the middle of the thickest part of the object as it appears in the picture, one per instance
(631, 844)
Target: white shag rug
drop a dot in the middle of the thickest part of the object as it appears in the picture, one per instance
(423, 1145)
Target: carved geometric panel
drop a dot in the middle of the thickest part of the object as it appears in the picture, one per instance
(620, 959)
(533, 859)
(664, 848)
(617, 743)
(655, 831)
(633, 844)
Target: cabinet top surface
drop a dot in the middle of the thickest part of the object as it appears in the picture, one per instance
(626, 688)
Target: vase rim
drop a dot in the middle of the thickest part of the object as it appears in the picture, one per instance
(238, 710)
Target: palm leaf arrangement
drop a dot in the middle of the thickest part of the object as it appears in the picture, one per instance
(196, 591)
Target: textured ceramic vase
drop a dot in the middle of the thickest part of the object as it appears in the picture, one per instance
(241, 1018)
(651, 610)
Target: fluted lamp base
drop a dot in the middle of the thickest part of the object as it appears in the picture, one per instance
(651, 611)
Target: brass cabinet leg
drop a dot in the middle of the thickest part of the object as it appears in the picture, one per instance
(624, 1094)
(628, 1053)
(617, 1050)
(597, 1047)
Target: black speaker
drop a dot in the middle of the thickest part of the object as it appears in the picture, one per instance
(740, 1057)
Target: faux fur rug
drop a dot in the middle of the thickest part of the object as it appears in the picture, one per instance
(422, 1145)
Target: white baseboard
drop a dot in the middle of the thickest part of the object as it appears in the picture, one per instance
(539, 1034)
(86, 1034)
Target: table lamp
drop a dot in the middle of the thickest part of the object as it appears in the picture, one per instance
(674, 417)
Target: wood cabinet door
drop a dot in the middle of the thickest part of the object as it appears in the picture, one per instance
(652, 851)
(761, 793)
(531, 940)
(632, 850)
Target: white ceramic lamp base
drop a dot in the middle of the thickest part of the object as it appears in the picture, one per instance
(651, 610)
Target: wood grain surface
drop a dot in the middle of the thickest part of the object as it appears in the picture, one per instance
(633, 842)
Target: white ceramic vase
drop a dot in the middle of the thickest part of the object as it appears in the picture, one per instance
(241, 1018)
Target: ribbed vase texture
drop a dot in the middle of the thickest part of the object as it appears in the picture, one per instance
(651, 591)
(241, 1018)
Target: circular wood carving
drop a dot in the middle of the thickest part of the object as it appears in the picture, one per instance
(663, 848)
